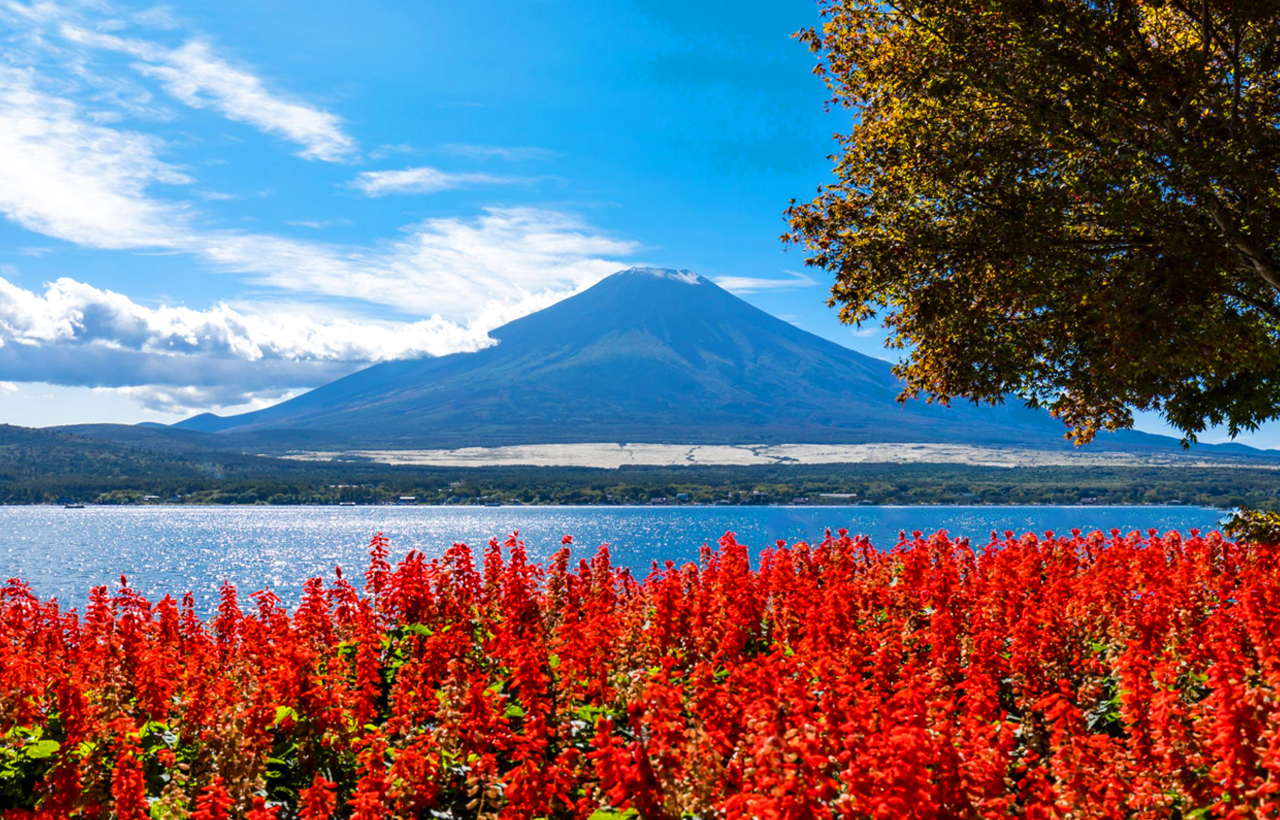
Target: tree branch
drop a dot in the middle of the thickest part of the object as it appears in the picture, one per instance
(1243, 243)
(1271, 310)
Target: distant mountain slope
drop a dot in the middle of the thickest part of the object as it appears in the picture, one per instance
(27, 454)
(151, 437)
(646, 355)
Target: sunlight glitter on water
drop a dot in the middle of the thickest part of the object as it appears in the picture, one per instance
(64, 553)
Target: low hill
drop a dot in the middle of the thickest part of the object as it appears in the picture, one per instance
(28, 454)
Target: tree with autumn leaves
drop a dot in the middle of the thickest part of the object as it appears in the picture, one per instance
(1075, 203)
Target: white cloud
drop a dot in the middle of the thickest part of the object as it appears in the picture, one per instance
(184, 401)
(157, 17)
(319, 224)
(384, 151)
(76, 334)
(510, 154)
(88, 184)
(423, 180)
(471, 275)
(745, 284)
(197, 76)
(75, 313)
(36, 13)
(75, 180)
(466, 270)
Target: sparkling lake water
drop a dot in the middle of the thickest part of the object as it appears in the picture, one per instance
(64, 553)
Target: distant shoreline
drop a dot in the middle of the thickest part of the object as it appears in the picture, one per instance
(648, 507)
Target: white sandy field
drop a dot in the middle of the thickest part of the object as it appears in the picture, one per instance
(614, 456)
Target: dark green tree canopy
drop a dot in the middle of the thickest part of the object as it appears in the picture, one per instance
(1072, 202)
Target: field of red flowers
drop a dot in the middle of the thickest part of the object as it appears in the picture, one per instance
(1085, 676)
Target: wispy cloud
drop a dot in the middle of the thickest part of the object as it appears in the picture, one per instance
(746, 284)
(319, 224)
(424, 180)
(66, 177)
(185, 400)
(196, 75)
(510, 154)
(89, 184)
(384, 151)
(215, 196)
(469, 270)
(157, 17)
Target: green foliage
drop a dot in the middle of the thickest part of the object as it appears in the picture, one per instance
(26, 756)
(1254, 526)
(1075, 203)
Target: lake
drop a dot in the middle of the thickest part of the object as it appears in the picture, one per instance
(64, 553)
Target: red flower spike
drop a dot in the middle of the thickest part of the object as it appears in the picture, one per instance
(213, 803)
(318, 801)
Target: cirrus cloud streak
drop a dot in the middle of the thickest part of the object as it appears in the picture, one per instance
(66, 177)
(423, 180)
(746, 284)
(195, 75)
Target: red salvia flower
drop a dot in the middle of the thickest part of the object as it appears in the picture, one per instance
(1091, 676)
(213, 803)
(318, 801)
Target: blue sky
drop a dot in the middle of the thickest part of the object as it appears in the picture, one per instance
(214, 206)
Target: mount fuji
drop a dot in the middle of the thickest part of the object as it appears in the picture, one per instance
(647, 355)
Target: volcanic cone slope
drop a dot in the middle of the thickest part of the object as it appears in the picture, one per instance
(646, 355)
